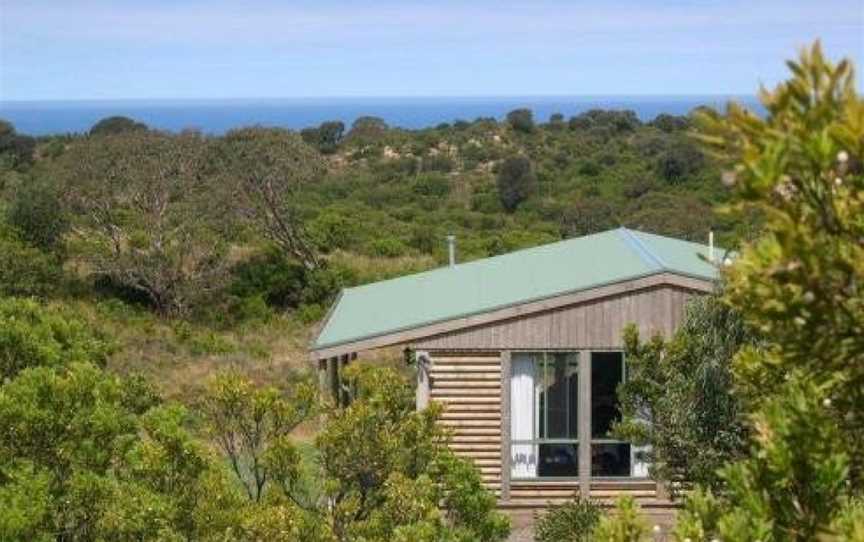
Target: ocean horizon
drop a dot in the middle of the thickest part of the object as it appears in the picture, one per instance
(216, 116)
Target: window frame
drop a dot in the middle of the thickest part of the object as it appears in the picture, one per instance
(582, 356)
(537, 442)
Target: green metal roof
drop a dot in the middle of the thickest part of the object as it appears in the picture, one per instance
(526, 275)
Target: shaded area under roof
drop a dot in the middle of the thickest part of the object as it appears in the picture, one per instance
(519, 277)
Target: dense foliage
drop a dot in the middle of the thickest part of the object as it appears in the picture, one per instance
(800, 285)
(679, 398)
(573, 521)
(388, 483)
(797, 391)
(86, 455)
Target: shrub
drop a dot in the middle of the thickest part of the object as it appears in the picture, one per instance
(333, 230)
(25, 270)
(573, 521)
(368, 129)
(116, 125)
(391, 484)
(556, 121)
(670, 123)
(587, 216)
(34, 335)
(270, 276)
(433, 185)
(310, 312)
(589, 168)
(326, 137)
(624, 524)
(38, 216)
(16, 150)
(284, 284)
(680, 162)
(521, 120)
(516, 181)
(685, 388)
(607, 120)
(388, 247)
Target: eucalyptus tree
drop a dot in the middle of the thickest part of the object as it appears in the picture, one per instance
(268, 168)
(145, 214)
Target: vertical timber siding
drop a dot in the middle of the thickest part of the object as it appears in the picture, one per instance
(597, 323)
(469, 387)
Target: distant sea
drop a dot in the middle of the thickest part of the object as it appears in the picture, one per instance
(218, 116)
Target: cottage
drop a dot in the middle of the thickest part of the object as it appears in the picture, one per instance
(525, 352)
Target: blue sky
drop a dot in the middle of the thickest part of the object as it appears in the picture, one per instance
(114, 49)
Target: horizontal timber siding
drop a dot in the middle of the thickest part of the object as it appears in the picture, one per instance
(469, 387)
(545, 493)
(597, 323)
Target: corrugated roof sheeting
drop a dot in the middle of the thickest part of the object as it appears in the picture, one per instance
(526, 275)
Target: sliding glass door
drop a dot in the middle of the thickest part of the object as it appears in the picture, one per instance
(544, 415)
(544, 393)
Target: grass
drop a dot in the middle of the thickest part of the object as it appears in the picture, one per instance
(178, 356)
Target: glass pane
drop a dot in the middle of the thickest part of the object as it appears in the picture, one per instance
(610, 459)
(558, 460)
(607, 371)
(523, 461)
(561, 398)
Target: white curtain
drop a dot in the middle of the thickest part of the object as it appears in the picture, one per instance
(524, 456)
(637, 460)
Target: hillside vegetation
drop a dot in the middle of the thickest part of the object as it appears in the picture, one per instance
(195, 252)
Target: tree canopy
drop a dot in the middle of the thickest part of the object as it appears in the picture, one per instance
(116, 125)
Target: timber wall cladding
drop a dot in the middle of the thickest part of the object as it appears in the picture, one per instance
(593, 324)
(469, 387)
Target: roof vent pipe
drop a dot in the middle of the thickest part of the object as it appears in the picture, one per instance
(451, 249)
(711, 246)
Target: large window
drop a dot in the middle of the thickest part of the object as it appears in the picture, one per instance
(544, 414)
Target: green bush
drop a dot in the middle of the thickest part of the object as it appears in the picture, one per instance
(332, 230)
(433, 185)
(516, 180)
(573, 521)
(388, 247)
(25, 270)
(270, 276)
(521, 120)
(116, 125)
(37, 215)
(284, 284)
(685, 388)
(310, 312)
(35, 335)
(624, 524)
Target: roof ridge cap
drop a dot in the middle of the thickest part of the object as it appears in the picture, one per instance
(642, 250)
